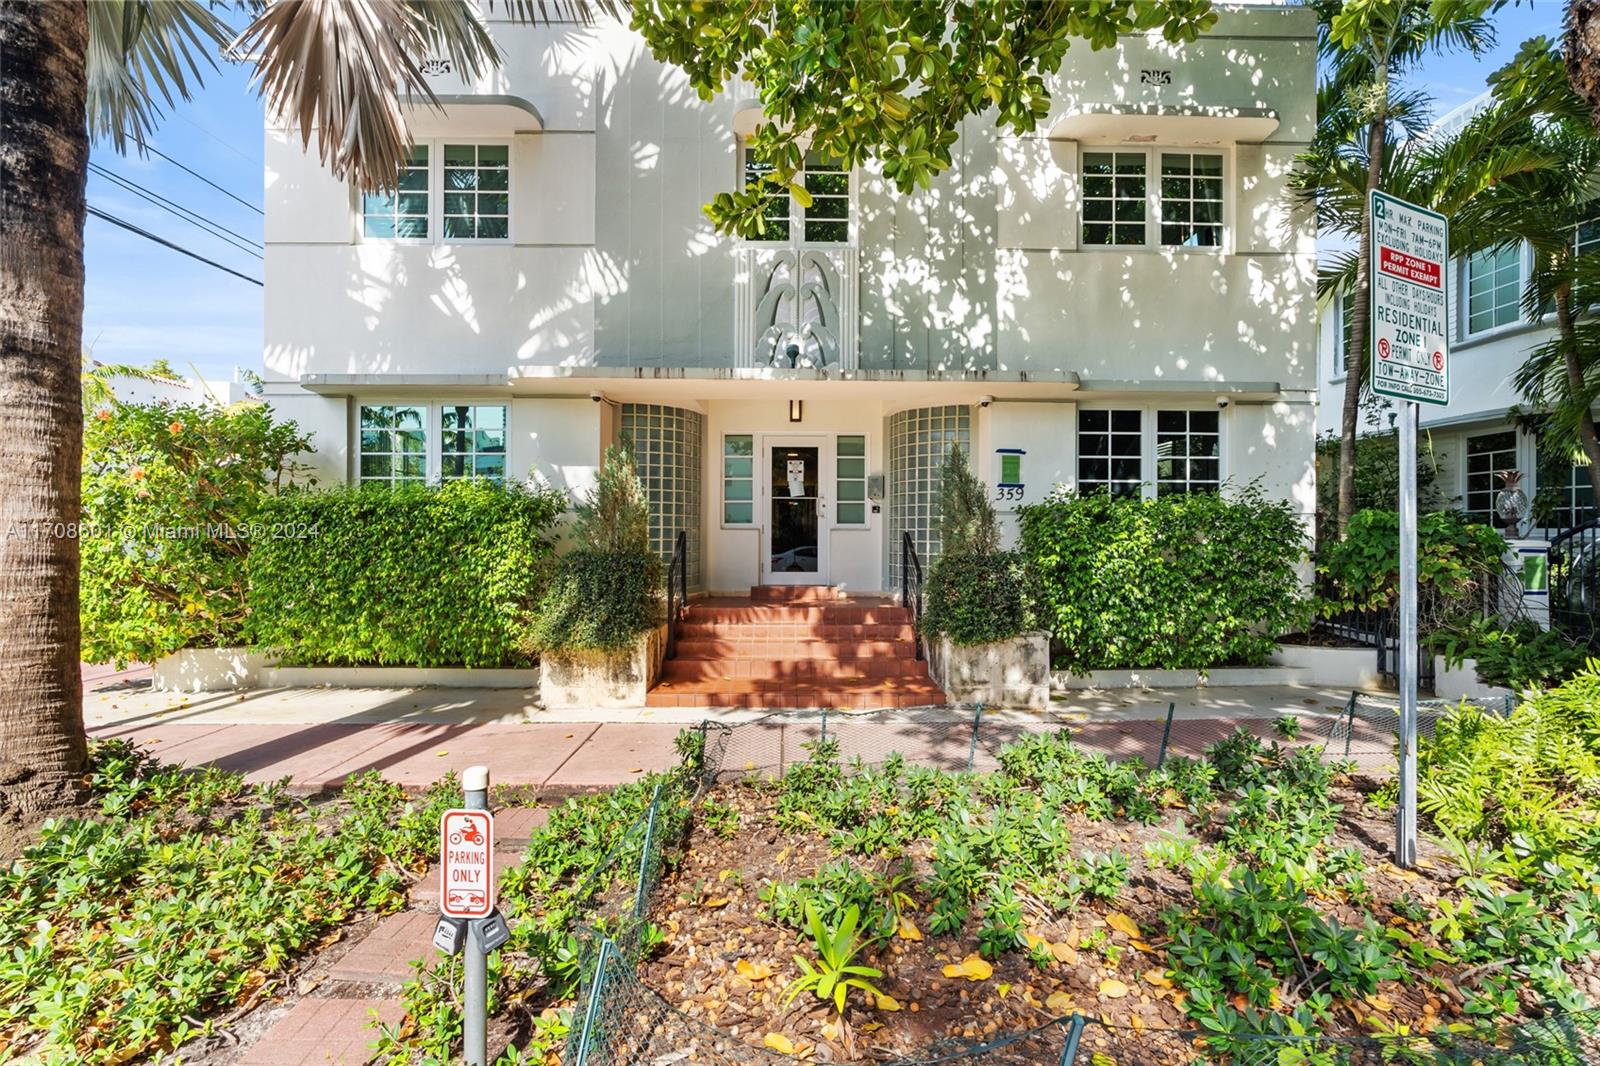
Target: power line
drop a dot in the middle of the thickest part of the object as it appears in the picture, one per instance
(194, 218)
(153, 149)
(115, 221)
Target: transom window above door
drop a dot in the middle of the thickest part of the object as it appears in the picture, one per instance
(1123, 208)
(826, 220)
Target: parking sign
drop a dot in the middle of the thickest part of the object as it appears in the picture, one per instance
(1410, 351)
(466, 870)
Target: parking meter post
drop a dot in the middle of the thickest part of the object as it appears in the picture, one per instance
(475, 993)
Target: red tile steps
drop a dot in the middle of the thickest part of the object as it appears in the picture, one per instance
(795, 647)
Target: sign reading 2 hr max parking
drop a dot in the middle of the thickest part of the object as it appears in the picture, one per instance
(1410, 351)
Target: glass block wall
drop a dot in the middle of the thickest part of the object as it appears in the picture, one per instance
(918, 442)
(667, 443)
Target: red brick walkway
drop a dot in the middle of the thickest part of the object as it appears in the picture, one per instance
(323, 1032)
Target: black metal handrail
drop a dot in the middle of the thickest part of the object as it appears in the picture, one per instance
(911, 586)
(1575, 583)
(677, 589)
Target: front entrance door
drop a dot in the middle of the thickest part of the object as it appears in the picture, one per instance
(795, 485)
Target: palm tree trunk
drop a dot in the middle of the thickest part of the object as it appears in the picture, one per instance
(1588, 435)
(1355, 366)
(1582, 51)
(44, 155)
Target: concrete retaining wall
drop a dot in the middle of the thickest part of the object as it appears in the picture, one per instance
(208, 670)
(397, 677)
(1007, 673)
(620, 680)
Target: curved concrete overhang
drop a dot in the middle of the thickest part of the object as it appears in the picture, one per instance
(1166, 124)
(492, 114)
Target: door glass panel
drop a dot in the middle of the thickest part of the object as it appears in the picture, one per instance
(794, 472)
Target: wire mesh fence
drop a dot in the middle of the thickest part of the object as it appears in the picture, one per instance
(621, 1021)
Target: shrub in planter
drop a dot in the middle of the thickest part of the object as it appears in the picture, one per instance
(1456, 561)
(1515, 656)
(1177, 582)
(172, 495)
(405, 576)
(607, 592)
(976, 594)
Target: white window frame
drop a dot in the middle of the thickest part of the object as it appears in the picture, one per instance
(722, 482)
(1464, 293)
(430, 443)
(797, 216)
(433, 429)
(438, 420)
(1518, 462)
(436, 191)
(865, 479)
(1152, 191)
(1343, 308)
(1148, 412)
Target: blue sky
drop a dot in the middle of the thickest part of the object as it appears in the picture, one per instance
(145, 302)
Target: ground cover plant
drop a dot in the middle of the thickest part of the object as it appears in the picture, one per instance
(186, 896)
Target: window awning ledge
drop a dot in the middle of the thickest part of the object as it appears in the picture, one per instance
(480, 114)
(1169, 124)
(748, 116)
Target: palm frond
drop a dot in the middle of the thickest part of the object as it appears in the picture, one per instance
(144, 56)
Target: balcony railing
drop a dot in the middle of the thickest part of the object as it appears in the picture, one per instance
(795, 307)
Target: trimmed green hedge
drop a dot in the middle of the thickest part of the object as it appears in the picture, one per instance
(413, 576)
(1178, 582)
(599, 602)
(976, 599)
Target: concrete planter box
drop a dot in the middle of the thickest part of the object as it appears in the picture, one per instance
(1462, 682)
(1140, 678)
(208, 670)
(396, 677)
(1333, 667)
(617, 680)
(1007, 673)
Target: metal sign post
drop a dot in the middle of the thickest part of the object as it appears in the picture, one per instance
(1410, 362)
(469, 922)
(475, 990)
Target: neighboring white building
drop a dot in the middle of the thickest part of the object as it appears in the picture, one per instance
(1125, 299)
(1473, 437)
(178, 390)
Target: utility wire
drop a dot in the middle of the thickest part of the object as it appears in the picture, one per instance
(156, 151)
(115, 221)
(194, 218)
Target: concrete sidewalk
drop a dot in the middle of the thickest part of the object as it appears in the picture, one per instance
(317, 737)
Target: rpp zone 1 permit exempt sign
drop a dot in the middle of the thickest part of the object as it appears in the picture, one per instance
(466, 873)
(1410, 352)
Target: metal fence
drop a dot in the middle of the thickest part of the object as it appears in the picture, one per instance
(621, 1021)
(1575, 584)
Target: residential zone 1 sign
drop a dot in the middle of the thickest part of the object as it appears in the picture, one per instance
(466, 873)
(1410, 350)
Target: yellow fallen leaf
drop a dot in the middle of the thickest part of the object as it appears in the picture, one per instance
(672, 925)
(1111, 988)
(716, 901)
(753, 971)
(440, 754)
(887, 1003)
(972, 968)
(1157, 978)
(1002, 990)
(779, 1043)
(723, 875)
(1058, 1003)
(870, 1027)
(1140, 945)
(1380, 1003)
(908, 929)
(636, 770)
(1123, 924)
(782, 855)
(1137, 1022)
(1065, 952)
(1034, 940)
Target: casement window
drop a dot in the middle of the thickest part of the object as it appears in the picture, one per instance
(472, 443)
(828, 217)
(403, 213)
(477, 191)
(1488, 454)
(1188, 452)
(1184, 449)
(1123, 208)
(1586, 235)
(738, 479)
(448, 192)
(1343, 332)
(1494, 289)
(850, 484)
(394, 445)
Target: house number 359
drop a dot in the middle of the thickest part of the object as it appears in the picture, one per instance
(1008, 492)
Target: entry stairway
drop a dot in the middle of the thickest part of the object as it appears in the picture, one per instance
(795, 647)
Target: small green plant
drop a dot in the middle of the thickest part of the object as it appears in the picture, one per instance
(835, 971)
(1001, 930)
(720, 818)
(1287, 727)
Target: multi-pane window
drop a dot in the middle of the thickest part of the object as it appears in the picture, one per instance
(404, 212)
(825, 221)
(472, 442)
(1187, 452)
(477, 191)
(738, 479)
(394, 444)
(1344, 331)
(1488, 454)
(1575, 498)
(1586, 236)
(1494, 288)
(1565, 497)
(1114, 200)
(851, 479)
(1110, 444)
(1191, 199)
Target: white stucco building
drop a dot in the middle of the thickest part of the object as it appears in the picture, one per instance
(1126, 298)
(1474, 438)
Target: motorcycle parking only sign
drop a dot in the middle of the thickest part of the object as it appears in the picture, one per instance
(1410, 352)
(466, 870)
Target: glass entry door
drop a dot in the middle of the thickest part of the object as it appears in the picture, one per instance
(795, 550)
